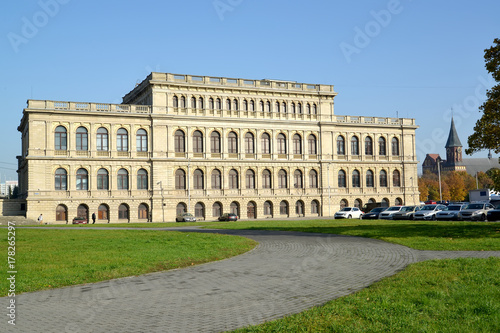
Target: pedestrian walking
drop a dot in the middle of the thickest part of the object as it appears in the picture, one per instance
(40, 219)
(93, 218)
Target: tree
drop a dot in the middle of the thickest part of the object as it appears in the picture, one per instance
(487, 129)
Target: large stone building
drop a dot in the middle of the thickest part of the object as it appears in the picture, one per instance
(210, 145)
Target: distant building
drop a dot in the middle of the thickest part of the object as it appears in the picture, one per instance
(454, 160)
(4, 187)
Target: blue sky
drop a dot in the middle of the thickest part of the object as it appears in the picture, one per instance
(418, 59)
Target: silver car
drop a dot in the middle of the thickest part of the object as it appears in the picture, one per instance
(185, 217)
(475, 212)
(389, 212)
(406, 213)
(428, 212)
(450, 213)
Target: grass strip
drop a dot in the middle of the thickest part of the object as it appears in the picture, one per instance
(48, 258)
(460, 295)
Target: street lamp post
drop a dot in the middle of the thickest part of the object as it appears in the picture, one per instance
(162, 204)
(439, 176)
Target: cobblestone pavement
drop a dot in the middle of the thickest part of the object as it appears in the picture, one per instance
(286, 273)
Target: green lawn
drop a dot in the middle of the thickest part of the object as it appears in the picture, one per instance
(48, 258)
(461, 295)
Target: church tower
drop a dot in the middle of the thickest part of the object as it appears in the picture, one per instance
(453, 146)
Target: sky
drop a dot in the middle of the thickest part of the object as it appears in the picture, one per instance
(385, 58)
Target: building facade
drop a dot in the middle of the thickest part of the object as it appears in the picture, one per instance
(211, 145)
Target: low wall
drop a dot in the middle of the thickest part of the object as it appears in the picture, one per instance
(12, 207)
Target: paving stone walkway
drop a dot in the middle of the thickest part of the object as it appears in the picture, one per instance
(286, 273)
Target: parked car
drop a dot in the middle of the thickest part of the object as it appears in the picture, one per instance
(475, 212)
(228, 217)
(428, 212)
(450, 213)
(349, 213)
(430, 202)
(387, 214)
(80, 220)
(494, 214)
(406, 213)
(374, 213)
(185, 217)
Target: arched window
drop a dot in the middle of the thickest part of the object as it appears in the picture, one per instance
(181, 208)
(83, 211)
(179, 142)
(355, 179)
(81, 138)
(358, 203)
(249, 143)
(283, 208)
(61, 179)
(354, 146)
(278, 107)
(123, 212)
(311, 144)
(250, 178)
(343, 203)
(197, 142)
(180, 179)
(228, 104)
(60, 138)
(234, 208)
(82, 179)
(233, 179)
(342, 179)
(211, 103)
(381, 146)
(265, 140)
(252, 105)
(314, 207)
(315, 109)
(299, 208)
(215, 142)
(199, 210)
(308, 108)
(61, 213)
(282, 179)
(193, 102)
(216, 179)
(183, 102)
(268, 208)
(398, 202)
(313, 179)
(122, 179)
(103, 212)
(281, 143)
(395, 146)
(102, 139)
(297, 144)
(217, 209)
(297, 179)
(142, 179)
(385, 202)
(142, 140)
(299, 108)
(198, 183)
(369, 178)
(122, 140)
(235, 105)
(340, 145)
(102, 179)
(293, 108)
(261, 106)
(266, 179)
(143, 212)
(218, 104)
(396, 181)
(383, 178)
(268, 106)
(232, 143)
(368, 146)
(175, 101)
(245, 105)
(284, 107)
(200, 103)
(251, 208)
